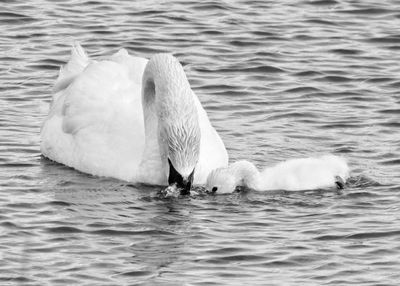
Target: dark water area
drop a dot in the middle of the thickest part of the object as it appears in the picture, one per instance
(279, 80)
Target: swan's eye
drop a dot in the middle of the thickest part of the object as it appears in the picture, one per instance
(214, 189)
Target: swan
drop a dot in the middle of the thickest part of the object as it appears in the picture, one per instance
(132, 119)
(292, 175)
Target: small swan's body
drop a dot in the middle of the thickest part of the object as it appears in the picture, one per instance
(292, 175)
(132, 119)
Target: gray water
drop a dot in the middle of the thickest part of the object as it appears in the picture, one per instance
(279, 80)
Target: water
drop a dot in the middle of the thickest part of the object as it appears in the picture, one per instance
(279, 79)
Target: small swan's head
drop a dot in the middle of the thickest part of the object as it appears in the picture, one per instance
(221, 181)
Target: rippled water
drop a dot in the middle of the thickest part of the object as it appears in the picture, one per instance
(279, 79)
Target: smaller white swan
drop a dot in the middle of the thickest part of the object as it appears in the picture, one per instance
(292, 175)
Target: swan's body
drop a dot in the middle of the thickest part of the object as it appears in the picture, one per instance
(292, 175)
(131, 119)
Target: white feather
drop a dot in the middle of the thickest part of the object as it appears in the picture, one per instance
(78, 61)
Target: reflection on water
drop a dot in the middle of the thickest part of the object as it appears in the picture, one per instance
(278, 79)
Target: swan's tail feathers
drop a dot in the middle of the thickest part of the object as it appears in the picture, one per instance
(76, 64)
(339, 182)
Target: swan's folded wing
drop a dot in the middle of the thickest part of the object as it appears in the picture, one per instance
(212, 149)
(96, 124)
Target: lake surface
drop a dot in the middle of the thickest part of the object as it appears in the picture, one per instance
(279, 80)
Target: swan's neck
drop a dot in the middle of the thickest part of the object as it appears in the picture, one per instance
(170, 115)
(246, 174)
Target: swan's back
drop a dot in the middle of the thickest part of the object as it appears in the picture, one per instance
(305, 173)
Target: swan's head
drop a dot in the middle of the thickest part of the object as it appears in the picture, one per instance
(183, 151)
(221, 180)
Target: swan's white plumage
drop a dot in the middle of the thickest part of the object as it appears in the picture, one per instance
(95, 123)
(291, 175)
(79, 60)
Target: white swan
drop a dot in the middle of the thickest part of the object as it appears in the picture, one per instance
(131, 119)
(296, 174)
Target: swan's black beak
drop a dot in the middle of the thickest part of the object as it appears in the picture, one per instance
(183, 184)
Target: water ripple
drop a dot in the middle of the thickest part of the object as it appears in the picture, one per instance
(279, 80)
